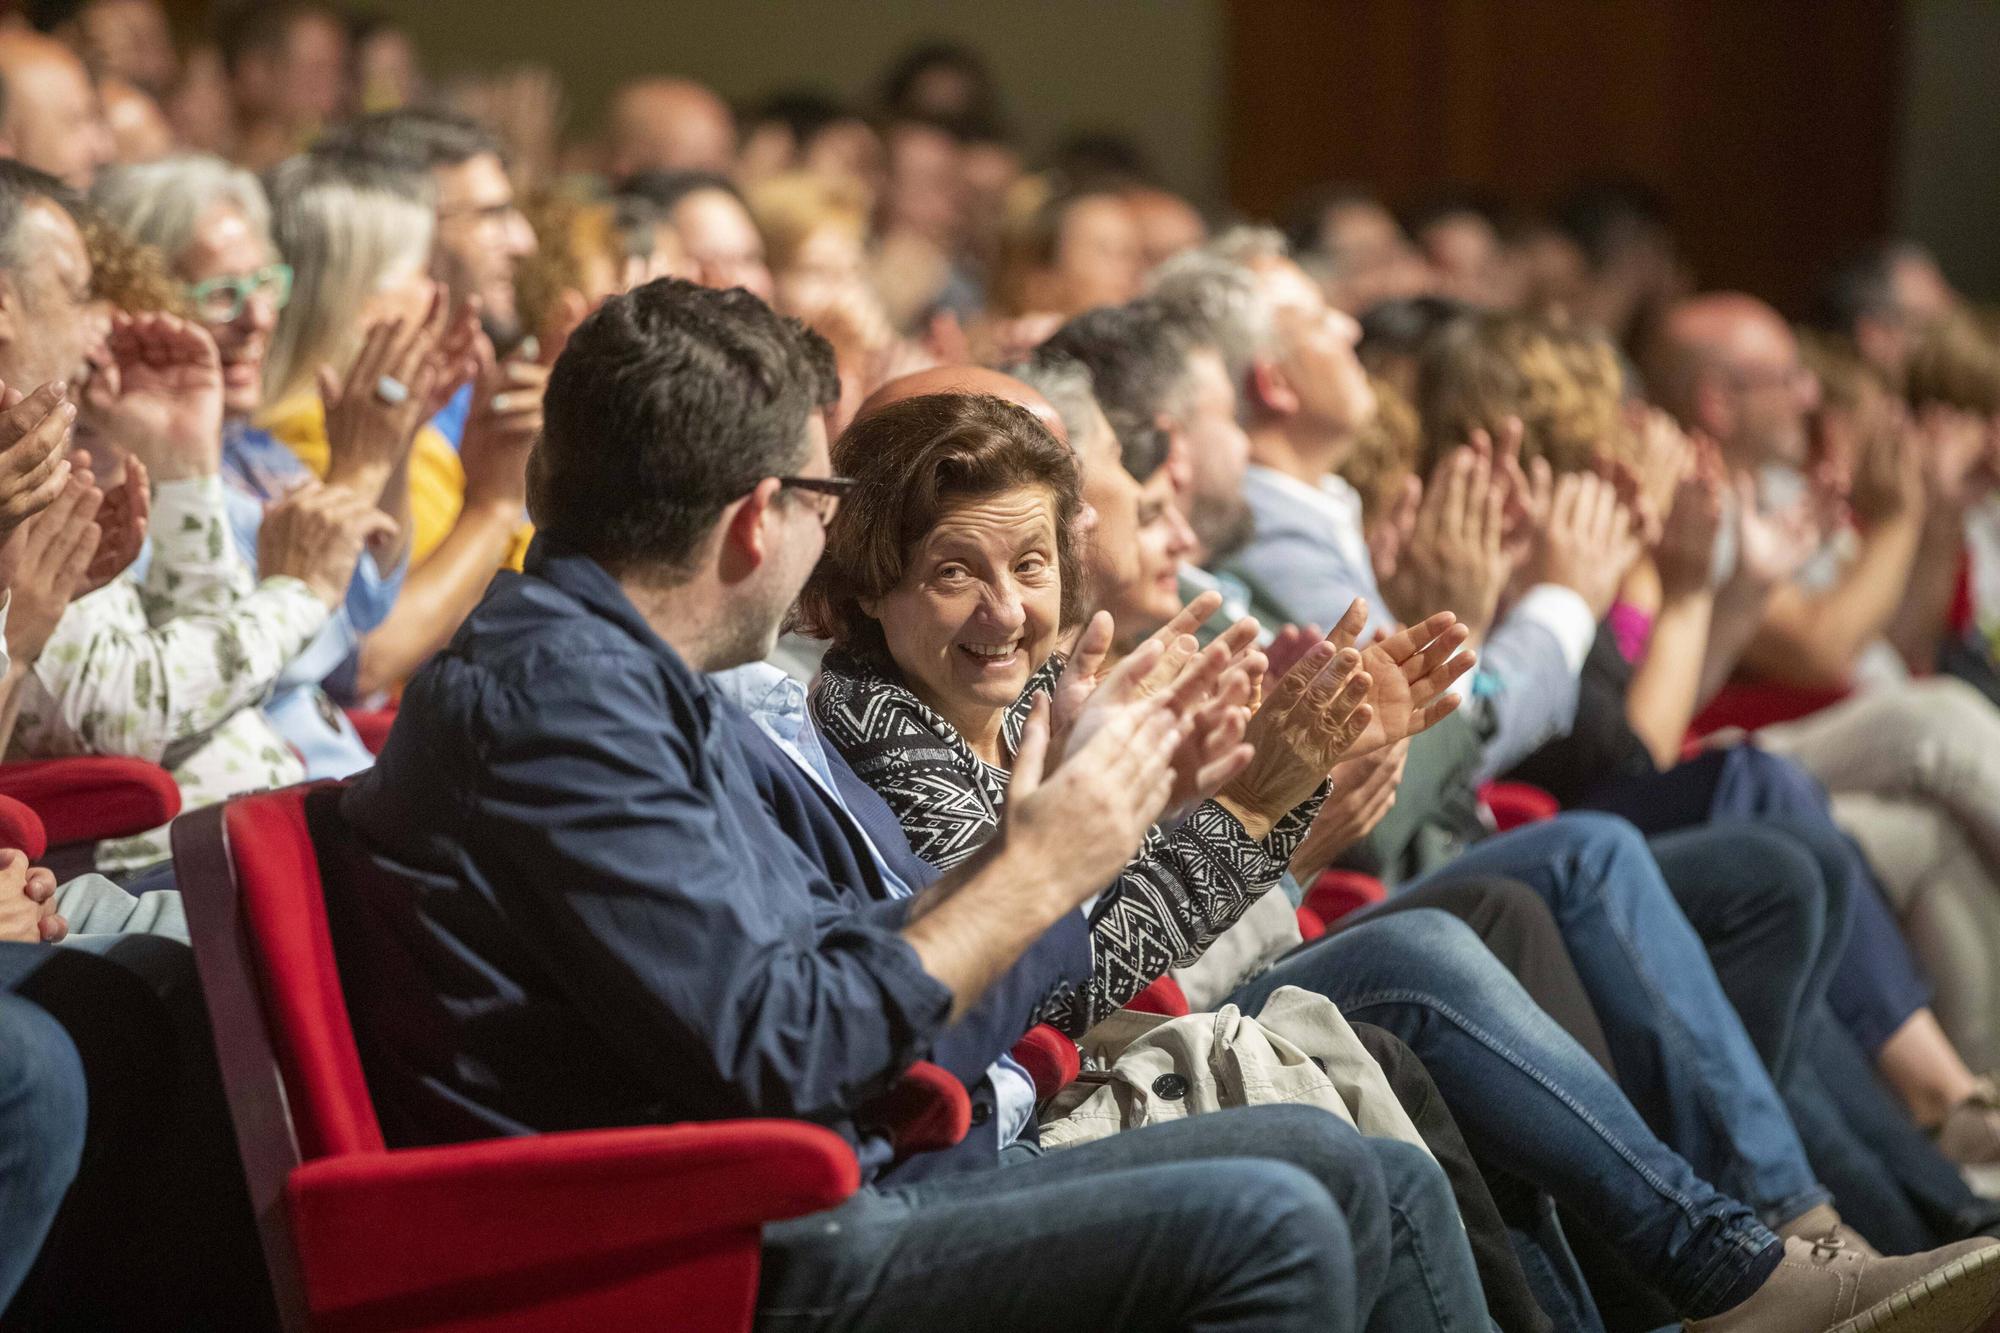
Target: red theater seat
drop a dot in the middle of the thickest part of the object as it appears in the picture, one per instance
(606, 1230)
(92, 798)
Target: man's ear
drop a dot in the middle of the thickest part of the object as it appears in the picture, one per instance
(749, 533)
(1271, 390)
(1715, 414)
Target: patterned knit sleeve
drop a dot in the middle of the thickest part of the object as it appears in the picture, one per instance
(1183, 889)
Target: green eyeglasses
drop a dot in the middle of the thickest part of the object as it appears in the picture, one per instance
(221, 300)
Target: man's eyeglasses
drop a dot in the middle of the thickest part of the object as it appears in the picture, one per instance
(221, 300)
(827, 492)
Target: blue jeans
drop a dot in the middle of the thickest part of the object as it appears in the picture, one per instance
(1681, 1051)
(1531, 1102)
(42, 1108)
(1875, 986)
(1774, 927)
(1264, 1217)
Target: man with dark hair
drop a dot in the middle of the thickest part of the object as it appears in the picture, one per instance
(563, 899)
(1168, 391)
(287, 68)
(714, 225)
(481, 235)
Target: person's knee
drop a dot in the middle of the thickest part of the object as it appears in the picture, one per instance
(1334, 1154)
(1283, 1229)
(1789, 890)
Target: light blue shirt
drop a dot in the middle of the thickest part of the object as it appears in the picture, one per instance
(777, 703)
(259, 469)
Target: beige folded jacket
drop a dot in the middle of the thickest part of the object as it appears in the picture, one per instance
(1152, 1069)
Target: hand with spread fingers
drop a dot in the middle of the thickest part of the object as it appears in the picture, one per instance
(43, 567)
(158, 395)
(374, 411)
(34, 459)
(1310, 720)
(1116, 784)
(122, 520)
(315, 534)
(1411, 671)
(1211, 751)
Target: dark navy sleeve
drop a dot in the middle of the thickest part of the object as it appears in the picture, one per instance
(1051, 970)
(679, 919)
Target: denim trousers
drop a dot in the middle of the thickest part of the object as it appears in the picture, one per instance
(1261, 1217)
(1875, 984)
(1890, 1181)
(1681, 1051)
(1532, 1103)
(42, 1108)
(1774, 927)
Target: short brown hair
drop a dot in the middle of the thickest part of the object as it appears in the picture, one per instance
(1564, 384)
(912, 462)
(1954, 362)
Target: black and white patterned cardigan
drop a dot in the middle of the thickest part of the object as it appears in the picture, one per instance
(1183, 889)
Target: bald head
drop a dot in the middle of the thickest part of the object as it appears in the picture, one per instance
(49, 116)
(670, 125)
(1728, 364)
(966, 379)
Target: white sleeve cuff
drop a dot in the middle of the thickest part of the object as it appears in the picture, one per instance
(1563, 613)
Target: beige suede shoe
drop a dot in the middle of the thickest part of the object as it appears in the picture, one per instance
(1823, 1287)
(1823, 1223)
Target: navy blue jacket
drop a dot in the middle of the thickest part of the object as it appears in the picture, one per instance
(567, 895)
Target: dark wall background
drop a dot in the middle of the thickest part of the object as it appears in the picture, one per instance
(1769, 125)
(1784, 132)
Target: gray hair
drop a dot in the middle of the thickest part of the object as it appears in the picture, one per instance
(1213, 294)
(348, 229)
(161, 203)
(1066, 383)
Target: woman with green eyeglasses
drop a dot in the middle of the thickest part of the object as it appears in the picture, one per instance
(211, 225)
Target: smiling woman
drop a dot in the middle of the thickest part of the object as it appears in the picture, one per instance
(953, 561)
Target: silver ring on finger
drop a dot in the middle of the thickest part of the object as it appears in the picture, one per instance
(392, 390)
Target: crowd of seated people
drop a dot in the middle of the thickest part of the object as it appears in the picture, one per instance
(793, 589)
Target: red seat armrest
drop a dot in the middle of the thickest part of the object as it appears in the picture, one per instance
(1338, 892)
(1311, 924)
(1164, 996)
(21, 829)
(1050, 1059)
(1515, 804)
(927, 1110)
(92, 798)
(382, 1229)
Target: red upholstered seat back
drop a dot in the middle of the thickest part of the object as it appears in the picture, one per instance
(284, 918)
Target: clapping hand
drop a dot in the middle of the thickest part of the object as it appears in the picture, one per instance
(43, 566)
(1211, 751)
(374, 411)
(1456, 556)
(158, 395)
(34, 466)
